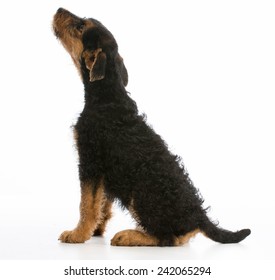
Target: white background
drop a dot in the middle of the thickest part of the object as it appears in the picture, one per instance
(202, 71)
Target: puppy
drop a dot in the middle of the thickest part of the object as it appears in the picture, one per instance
(121, 157)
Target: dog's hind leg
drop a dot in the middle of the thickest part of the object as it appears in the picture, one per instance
(131, 237)
(183, 239)
(91, 209)
(139, 238)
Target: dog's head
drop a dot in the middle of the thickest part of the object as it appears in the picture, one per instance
(91, 45)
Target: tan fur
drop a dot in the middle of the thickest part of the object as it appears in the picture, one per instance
(132, 237)
(70, 38)
(75, 134)
(91, 215)
(139, 237)
(185, 238)
(106, 215)
(75, 137)
(90, 57)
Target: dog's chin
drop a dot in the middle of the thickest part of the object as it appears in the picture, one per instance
(56, 32)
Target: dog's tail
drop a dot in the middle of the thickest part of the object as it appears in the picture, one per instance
(218, 234)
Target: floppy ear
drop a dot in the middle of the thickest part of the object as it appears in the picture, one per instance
(96, 62)
(122, 70)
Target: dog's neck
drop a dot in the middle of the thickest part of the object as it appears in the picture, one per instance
(105, 93)
(100, 93)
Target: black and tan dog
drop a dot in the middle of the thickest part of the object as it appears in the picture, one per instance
(121, 157)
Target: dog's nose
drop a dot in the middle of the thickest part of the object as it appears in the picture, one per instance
(61, 10)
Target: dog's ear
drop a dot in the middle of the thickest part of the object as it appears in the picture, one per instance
(122, 70)
(96, 62)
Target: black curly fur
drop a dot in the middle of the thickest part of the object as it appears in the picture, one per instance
(115, 143)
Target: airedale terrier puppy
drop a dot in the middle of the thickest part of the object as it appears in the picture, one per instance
(121, 157)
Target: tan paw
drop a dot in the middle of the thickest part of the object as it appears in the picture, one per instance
(121, 239)
(73, 236)
(132, 237)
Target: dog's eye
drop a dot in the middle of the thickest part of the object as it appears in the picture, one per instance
(80, 26)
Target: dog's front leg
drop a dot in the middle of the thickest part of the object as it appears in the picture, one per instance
(91, 214)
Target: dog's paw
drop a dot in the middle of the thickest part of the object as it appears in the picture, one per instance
(121, 239)
(132, 237)
(73, 236)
